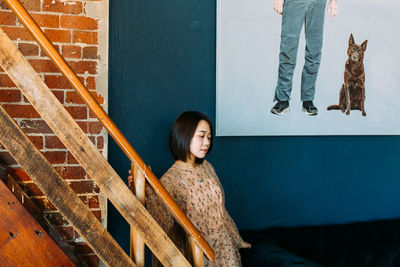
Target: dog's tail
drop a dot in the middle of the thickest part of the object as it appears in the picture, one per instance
(332, 107)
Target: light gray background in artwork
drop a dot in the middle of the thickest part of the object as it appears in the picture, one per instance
(248, 36)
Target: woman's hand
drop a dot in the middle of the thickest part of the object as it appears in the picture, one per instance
(130, 179)
(278, 6)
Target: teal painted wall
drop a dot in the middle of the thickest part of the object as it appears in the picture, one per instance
(162, 62)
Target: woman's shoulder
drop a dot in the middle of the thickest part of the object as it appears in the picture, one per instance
(174, 176)
(209, 166)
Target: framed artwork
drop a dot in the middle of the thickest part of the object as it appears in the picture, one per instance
(248, 51)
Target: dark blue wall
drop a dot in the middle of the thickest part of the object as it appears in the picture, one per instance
(162, 62)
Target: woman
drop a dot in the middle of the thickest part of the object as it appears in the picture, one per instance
(194, 185)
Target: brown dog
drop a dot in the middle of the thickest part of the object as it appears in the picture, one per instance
(352, 93)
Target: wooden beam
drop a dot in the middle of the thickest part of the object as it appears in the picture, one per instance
(23, 242)
(59, 193)
(197, 254)
(138, 187)
(68, 131)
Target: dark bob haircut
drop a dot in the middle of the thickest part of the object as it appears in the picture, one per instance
(182, 132)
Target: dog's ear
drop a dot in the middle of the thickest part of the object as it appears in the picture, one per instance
(364, 45)
(351, 40)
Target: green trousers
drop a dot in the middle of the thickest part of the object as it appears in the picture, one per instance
(296, 13)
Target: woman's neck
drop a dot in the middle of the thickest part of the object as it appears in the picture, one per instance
(189, 163)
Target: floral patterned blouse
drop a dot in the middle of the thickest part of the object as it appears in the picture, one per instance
(199, 193)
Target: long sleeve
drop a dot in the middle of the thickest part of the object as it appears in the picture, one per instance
(231, 226)
(228, 221)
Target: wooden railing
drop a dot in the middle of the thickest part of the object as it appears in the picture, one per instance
(200, 246)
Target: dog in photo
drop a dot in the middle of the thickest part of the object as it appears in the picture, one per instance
(352, 93)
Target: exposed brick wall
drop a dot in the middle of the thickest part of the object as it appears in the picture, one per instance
(76, 36)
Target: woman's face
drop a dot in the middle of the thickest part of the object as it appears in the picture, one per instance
(201, 140)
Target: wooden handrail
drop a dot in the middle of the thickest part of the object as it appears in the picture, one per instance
(108, 124)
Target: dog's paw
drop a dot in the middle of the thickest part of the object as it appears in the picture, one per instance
(348, 112)
(364, 114)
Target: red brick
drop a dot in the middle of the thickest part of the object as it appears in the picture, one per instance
(81, 67)
(7, 159)
(5, 81)
(99, 98)
(10, 95)
(55, 157)
(46, 21)
(95, 127)
(85, 37)
(73, 98)
(84, 187)
(56, 219)
(20, 174)
(91, 83)
(28, 49)
(53, 142)
(78, 23)
(7, 18)
(90, 52)
(66, 232)
(59, 95)
(92, 115)
(43, 65)
(79, 113)
(33, 190)
(100, 142)
(92, 139)
(21, 111)
(71, 159)
(97, 214)
(37, 141)
(84, 200)
(58, 36)
(83, 125)
(30, 5)
(91, 260)
(18, 33)
(66, 7)
(71, 51)
(35, 126)
(72, 172)
(43, 53)
(94, 202)
(57, 82)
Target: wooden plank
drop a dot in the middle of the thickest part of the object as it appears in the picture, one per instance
(23, 242)
(137, 244)
(68, 131)
(59, 193)
(196, 253)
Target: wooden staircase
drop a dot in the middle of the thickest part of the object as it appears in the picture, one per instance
(23, 241)
(80, 146)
